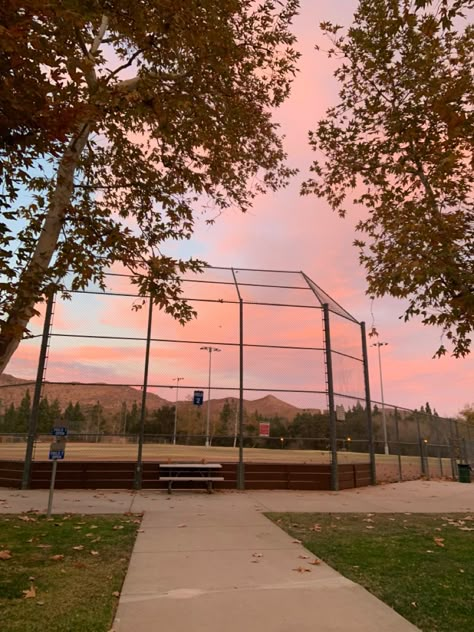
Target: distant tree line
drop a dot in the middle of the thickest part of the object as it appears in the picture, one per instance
(191, 421)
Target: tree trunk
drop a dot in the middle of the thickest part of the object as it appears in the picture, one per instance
(30, 283)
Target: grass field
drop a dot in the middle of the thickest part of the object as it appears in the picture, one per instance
(419, 564)
(62, 574)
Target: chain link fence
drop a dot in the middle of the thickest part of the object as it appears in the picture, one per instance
(281, 365)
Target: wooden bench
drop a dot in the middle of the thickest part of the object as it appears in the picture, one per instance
(190, 472)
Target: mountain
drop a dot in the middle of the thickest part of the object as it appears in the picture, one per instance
(111, 397)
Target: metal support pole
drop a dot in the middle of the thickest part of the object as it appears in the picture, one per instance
(332, 408)
(420, 445)
(33, 421)
(178, 380)
(141, 434)
(208, 420)
(452, 451)
(384, 417)
(51, 488)
(368, 407)
(241, 472)
(241, 466)
(397, 436)
(427, 459)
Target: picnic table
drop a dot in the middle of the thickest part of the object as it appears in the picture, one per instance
(207, 473)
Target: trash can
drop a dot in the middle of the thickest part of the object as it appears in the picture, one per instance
(464, 471)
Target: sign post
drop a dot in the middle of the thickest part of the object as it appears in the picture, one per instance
(56, 453)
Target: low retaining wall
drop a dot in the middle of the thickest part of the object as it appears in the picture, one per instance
(120, 475)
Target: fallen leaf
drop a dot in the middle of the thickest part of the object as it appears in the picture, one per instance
(30, 593)
(315, 527)
(303, 557)
(118, 526)
(116, 593)
(296, 541)
(5, 555)
(413, 603)
(318, 562)
(79, 547)
(57, 558)
(181, 526)
(43, 546)
(439, 541)
(95, 553)
(257, 554)
(40, 603)
(302, 569)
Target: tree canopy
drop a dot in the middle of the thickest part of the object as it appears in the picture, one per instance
(119, 122)
(400, 143)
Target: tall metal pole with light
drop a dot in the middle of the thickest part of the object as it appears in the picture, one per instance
(210, 349)
(384, 419)
(177, 380)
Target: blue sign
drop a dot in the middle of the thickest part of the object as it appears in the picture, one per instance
(56, 455)
(59, 431)
(198, 398)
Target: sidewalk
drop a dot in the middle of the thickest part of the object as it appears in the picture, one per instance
(214, 562)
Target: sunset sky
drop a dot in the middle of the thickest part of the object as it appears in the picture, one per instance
(286, 232)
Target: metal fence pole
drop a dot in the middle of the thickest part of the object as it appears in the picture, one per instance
(33, 420)
(397, 435)
(332, 410)
(141, 434)
(368, 406)
(241, 465)
(420, 446)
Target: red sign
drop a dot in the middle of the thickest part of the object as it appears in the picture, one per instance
(264, 429)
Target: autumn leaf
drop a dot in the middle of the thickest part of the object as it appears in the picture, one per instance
(79, 547)
(5, 555)
(57, 558)
(116, 594)
(30, 593)
(302, 569)
(95, 553)
(315, 562)
(439, 541)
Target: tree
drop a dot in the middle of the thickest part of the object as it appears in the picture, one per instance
(161, 421)
(400, 143)
(23, 413)
(467, 414)
(73, 417)
(162, 110)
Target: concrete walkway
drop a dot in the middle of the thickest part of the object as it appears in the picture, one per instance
(214, 562)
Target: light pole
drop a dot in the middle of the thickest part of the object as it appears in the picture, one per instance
(384, 419)
(210, 349)
(177, 380)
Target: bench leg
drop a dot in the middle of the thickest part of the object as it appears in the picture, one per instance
(209, 487)
(169, 487)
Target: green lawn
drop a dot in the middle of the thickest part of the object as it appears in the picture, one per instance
(422, 565)
(62, 574)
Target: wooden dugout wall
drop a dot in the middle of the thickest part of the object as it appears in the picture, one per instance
(120, 475)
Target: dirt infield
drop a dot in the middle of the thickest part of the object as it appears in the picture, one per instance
(387, 465)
